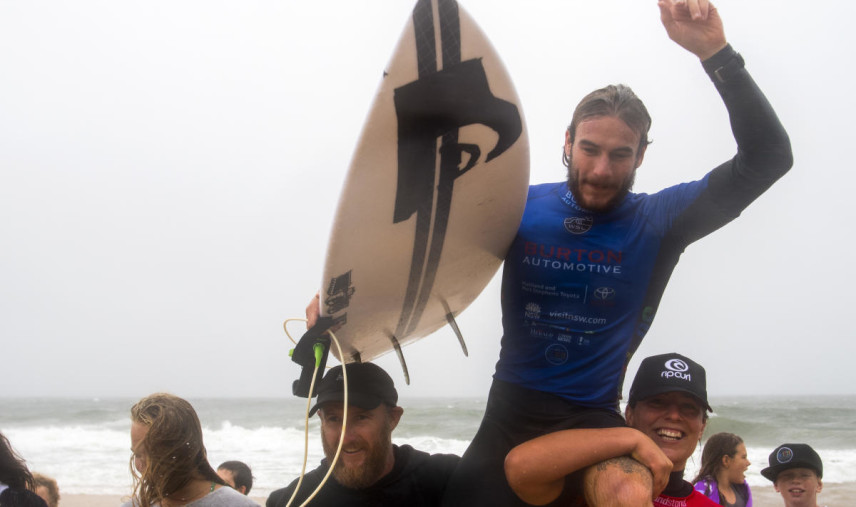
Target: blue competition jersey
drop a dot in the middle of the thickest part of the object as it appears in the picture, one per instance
(580, 289)
(576, 286)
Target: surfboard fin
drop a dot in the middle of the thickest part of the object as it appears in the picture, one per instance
(397, 347)
(451, 320)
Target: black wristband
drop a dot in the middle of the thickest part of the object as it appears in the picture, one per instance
(723, 73)
(723, 65)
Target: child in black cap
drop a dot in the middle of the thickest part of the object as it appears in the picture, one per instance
(796, 471)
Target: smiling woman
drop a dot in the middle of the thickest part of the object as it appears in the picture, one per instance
(666, 414)
(674, 421)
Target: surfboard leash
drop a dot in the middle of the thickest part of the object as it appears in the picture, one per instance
(319, 351)
(306, 416)
(304, 354)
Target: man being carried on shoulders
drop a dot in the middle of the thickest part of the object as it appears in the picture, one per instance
(583, 279)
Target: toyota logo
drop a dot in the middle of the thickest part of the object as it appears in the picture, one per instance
(604, 293)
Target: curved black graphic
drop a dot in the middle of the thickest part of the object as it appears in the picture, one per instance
(435, 106)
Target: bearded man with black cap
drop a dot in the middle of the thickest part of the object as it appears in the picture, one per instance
(666, 415)
(371, 470)
(796, 471)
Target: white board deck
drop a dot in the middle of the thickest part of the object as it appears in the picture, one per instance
(435, 190)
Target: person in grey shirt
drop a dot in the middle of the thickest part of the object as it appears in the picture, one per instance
(170, 464)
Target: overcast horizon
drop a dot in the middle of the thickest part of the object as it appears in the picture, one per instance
(169, 172)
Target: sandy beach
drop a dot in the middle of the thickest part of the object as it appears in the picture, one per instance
(69, 500)
(833, 495)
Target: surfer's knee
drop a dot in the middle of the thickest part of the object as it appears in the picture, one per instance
(618, 482)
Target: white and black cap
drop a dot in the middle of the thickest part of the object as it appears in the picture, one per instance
(668, 373)
(788, 456)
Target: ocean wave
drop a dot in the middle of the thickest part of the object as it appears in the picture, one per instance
(88, 449)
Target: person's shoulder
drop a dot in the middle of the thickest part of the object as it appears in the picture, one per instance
(545, 189)
(236, 498)
(697, 499)
(280, 497)
(419, 478)
(705, 485)
(421, 459)
(683, 192)
(224, 497)
(20, 498)
(410, 451)
(276, 496)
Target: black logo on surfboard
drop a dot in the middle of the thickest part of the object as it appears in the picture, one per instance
(339, 292)
(434, 107)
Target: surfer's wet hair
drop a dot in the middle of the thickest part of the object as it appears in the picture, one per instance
(173, 447)
(614, 100)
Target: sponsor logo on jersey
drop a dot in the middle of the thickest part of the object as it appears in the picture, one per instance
(577, 341)
(648, 314)
(578, 225)
(604, 293)
(572, 317)
(572, 254)
(532, 311)
(540, 333)
(556, 354)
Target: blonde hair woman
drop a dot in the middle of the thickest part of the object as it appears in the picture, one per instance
(169, 462)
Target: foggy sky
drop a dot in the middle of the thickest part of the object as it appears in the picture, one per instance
(169, 172)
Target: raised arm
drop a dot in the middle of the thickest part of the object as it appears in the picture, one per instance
(536, 469)
(763, 148)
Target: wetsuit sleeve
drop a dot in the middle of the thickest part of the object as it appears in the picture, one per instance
(763, 148)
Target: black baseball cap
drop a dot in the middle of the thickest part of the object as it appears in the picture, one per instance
(668, 373)
(368, 387)
(788, 456)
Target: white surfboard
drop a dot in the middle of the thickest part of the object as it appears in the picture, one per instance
(435, 190)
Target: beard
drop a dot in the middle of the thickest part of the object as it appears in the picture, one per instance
(621, 190)
(372, 469)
